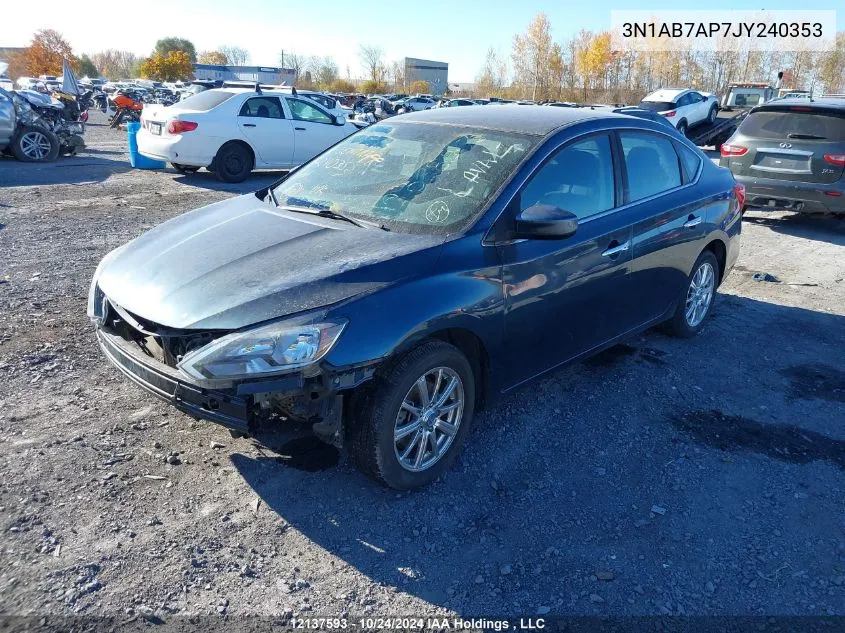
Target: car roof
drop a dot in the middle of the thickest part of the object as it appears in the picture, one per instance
(666, 94)
(535, 120)
(820, 103)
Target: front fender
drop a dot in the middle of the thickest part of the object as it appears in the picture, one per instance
(394, 318)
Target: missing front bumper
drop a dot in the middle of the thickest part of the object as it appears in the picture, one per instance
(233, 412)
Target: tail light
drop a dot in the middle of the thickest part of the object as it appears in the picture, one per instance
(835, 159)
(739, 192)
(732, 150)
(176, 126)
(670, 114)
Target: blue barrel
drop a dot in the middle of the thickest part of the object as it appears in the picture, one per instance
(135, 159)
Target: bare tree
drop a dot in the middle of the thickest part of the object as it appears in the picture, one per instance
(296, 62)
(116, 64)
(236, 55)
(371, 57)
(531, 52)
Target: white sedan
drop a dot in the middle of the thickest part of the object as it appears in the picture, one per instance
(683, 108)
(232, 131)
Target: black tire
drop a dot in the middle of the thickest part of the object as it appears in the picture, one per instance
(35, 145)
(679, 325)
(233, 162)
(185, 169)
(374, 412)
(682, 128)
(711, 116)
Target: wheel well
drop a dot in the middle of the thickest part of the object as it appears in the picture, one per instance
(717, 247)
(236, 142)
(473, 348)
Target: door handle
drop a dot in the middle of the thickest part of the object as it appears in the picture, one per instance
(692, 221)
(615, 250)
(299, 128)
(249, 124)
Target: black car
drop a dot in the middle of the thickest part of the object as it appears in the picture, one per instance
(404, 278)
(790, 154)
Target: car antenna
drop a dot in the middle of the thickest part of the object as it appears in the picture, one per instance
(257, 87)
(293, 90)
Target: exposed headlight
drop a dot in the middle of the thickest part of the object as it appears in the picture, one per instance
(270, 349)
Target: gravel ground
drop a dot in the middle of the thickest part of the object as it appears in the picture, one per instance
(664, 476)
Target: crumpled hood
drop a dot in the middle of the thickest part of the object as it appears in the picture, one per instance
(241, 261)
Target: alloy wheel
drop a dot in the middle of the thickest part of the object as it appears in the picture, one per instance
(700, 294)
(428, 419)
(35, 145)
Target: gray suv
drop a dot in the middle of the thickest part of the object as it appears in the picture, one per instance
(790, 154)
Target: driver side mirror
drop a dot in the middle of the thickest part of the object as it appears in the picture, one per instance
(340, 119)
(544, 222)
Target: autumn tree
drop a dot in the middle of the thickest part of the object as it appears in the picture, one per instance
(172, 66)
(491, 80)
(217, 58)
(46, 52)
(831, 67)
(371, 60)
(341, 85)
(168, 44)
(87, 67)
(370, 87)
(419, 87)
(531, 52)
(236, 55)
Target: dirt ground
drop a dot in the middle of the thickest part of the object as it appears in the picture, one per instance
(662, 477)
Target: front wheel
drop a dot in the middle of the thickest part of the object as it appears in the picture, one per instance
(408, 427)
(697, 299)
(34, 145)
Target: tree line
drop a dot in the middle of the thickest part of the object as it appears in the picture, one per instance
(586, 68)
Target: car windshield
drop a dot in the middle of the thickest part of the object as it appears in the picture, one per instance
(656, 106)
(411, 177)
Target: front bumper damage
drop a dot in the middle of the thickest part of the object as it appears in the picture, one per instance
(316, 399)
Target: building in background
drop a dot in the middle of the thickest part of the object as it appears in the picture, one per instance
(436, 74)
(259, 74)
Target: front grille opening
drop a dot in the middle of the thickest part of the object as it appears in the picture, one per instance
(157, 342)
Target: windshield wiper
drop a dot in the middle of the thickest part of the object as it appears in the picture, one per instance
(809, 137)
(327, 213)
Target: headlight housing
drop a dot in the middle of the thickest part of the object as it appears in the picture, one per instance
(271, 349)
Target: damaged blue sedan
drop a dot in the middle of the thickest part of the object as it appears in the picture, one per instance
(394, 285)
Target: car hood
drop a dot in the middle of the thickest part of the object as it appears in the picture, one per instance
(242, 261)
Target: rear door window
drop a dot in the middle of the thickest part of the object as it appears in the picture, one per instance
(802, 125)
(690, 161)
(651, 163)
(263, 108)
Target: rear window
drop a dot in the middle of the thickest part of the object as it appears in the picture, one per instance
(657, 106)
(203, 101)
(780, 124)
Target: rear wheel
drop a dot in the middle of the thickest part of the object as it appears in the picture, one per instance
(711, 117)
(697, 298)
(233, 163)
(408, 427)
(682, 128)
(34, 145)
